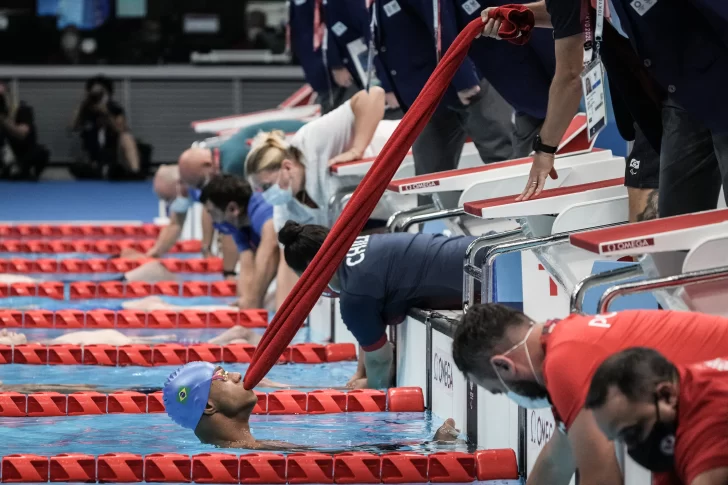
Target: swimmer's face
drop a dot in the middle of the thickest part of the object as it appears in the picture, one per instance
(621, 418)
(228, 395)
(12, 338)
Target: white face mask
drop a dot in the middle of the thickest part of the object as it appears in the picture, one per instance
(524, 401)
(528, 402)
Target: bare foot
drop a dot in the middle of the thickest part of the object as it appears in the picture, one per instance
(447, 431)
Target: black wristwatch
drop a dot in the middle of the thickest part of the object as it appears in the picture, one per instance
(538, 146)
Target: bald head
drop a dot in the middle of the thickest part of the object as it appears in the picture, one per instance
(196, 166)
(166, 182)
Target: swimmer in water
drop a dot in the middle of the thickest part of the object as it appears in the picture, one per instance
(214, 404)
(149, 272)
(233, 335)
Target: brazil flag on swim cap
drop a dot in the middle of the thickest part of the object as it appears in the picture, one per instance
(186, 392)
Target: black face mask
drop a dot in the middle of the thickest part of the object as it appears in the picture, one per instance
(656, 452)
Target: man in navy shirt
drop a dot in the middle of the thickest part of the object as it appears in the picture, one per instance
(382, 277)
(248, 219)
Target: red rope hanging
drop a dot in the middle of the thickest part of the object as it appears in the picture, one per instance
(304, 295)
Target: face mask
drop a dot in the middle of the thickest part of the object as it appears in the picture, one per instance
(657, 451)
(275, 195)
(538, 397)
(528, 402)
(225, 228)
(180, 205)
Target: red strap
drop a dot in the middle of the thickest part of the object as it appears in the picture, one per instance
(301, 299)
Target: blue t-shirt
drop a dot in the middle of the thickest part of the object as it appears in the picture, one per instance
(384, 275)
(248, 237)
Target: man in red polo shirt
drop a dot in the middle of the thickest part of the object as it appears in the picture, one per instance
(672, 418)
(540, 365)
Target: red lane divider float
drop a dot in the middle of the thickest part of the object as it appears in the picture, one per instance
(100, 265)
(84, 290)
(162, 319)
(78, 231)
(260, 468)
(166, 354)
(102, 246)
(325, 401)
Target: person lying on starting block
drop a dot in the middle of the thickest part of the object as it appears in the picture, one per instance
(149, 272)
(671, 417)
(381, 279)
(214, 404)
(238, 212)
(233, 335)
(551, 364)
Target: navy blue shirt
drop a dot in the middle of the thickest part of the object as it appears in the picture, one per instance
(347, 21)
(521, 74)
(384, 275)
(248, 237)
(406, 48)
(312, 62)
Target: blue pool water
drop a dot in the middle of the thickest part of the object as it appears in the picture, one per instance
(156, 433)
(35, 303)
(319, 376)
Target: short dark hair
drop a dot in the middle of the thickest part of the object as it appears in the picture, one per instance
(301, 243)
(103, 81)
(225, 188)
(482, 327)
(635, 372)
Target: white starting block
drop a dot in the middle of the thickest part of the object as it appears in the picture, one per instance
(574, 150)
(684, 250)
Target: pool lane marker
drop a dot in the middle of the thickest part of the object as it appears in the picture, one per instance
(89, 290)
(106, 265)
(264, 468)
(124, 319)
(284, 402)
(170, 354)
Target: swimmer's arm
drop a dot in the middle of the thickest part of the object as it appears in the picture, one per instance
(169, 235)
(266, 265)
(207, 232)
(368, 111)
(593, 453)
(555, 464)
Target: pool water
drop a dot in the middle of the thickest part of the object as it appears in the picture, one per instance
(318, 376)
(156, 433)
(37, 303)
(86, 255)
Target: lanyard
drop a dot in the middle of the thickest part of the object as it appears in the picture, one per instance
(370, 47)
(593, 40)
(437, 29)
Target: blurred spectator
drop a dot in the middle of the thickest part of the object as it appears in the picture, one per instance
(109, 148)
(261, 36)
(21, 158)
(70, 45)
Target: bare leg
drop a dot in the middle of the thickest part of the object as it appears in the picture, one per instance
(93, 337)
(7, 278)
(150, 272)
(150, 303)
(130, 253)
(642, 204)
(236, 334)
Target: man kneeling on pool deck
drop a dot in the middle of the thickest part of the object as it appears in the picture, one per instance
(244, 215)
(671, 417)
(214, 403)
(382, 277)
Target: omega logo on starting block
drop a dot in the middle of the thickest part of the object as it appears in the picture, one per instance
(624, 245)
(442, 370)
(420, 185)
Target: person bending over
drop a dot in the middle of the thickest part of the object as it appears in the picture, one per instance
(381, 278)
(671, 417)
(541, 365)
(238, 212)
(216, 406)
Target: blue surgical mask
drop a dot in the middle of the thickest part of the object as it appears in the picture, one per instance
(180, 205)
(275, 195)
(225, 228)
